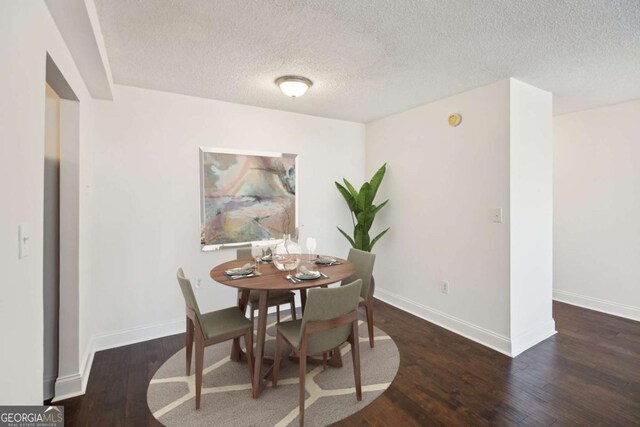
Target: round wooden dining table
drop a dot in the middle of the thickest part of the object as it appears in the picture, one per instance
(272, 279)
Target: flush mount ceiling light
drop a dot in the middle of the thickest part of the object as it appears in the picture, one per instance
(293, 86)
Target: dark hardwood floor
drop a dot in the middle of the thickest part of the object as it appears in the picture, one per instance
(587, 374)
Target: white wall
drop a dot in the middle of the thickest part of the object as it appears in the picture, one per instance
(146, 219)
(531, 232)
(443, 183)
(597, 209)
(146, 216)
(27, 33)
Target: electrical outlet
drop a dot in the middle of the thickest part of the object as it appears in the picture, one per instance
(444, 288)
(198, 282)
(496, 215)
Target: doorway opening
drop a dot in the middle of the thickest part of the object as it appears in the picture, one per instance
(51, 240)
(61, 195)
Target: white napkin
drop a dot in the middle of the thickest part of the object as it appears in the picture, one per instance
(245, 269)
(304, 271)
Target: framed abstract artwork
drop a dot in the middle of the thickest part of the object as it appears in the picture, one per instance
(246, 196)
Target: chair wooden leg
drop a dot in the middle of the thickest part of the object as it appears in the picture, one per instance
(248, 342)
(302, 374)
(336, 358)
(276, 361)
(189, 344)
(369, 310)
(303, 299)
(253, 313)
(355, 355)
(199, 362)
(293, 310)
(278, 313)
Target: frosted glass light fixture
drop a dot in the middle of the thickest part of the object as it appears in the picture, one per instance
(293, 86)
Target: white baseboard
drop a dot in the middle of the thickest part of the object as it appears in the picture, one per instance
(138, 334)
(609, 307)
(76, 384)
(87, 362)
(536, 335)
(68, 386)
(476, 333)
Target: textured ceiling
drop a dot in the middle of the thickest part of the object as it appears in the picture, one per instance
(372, 58)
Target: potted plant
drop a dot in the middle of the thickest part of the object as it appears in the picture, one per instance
(363, 210)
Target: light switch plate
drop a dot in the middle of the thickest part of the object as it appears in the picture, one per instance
(496, 215)
(24, 242)
(444, 288)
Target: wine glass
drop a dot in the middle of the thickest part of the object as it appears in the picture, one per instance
(311, 246)
(256, 253)
(272, 245)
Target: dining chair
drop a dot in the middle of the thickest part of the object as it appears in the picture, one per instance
(330, 319)
(212, 328)
(275, 299)
(364, 261)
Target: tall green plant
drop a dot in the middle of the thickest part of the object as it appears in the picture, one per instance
(363, 211)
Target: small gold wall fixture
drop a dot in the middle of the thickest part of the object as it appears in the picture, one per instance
(454, 120)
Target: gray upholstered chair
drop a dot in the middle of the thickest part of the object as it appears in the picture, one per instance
(275, 299)
(212, 328)
(364, 262)
(330, 319)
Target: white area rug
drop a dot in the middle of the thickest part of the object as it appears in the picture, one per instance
(226, 387)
